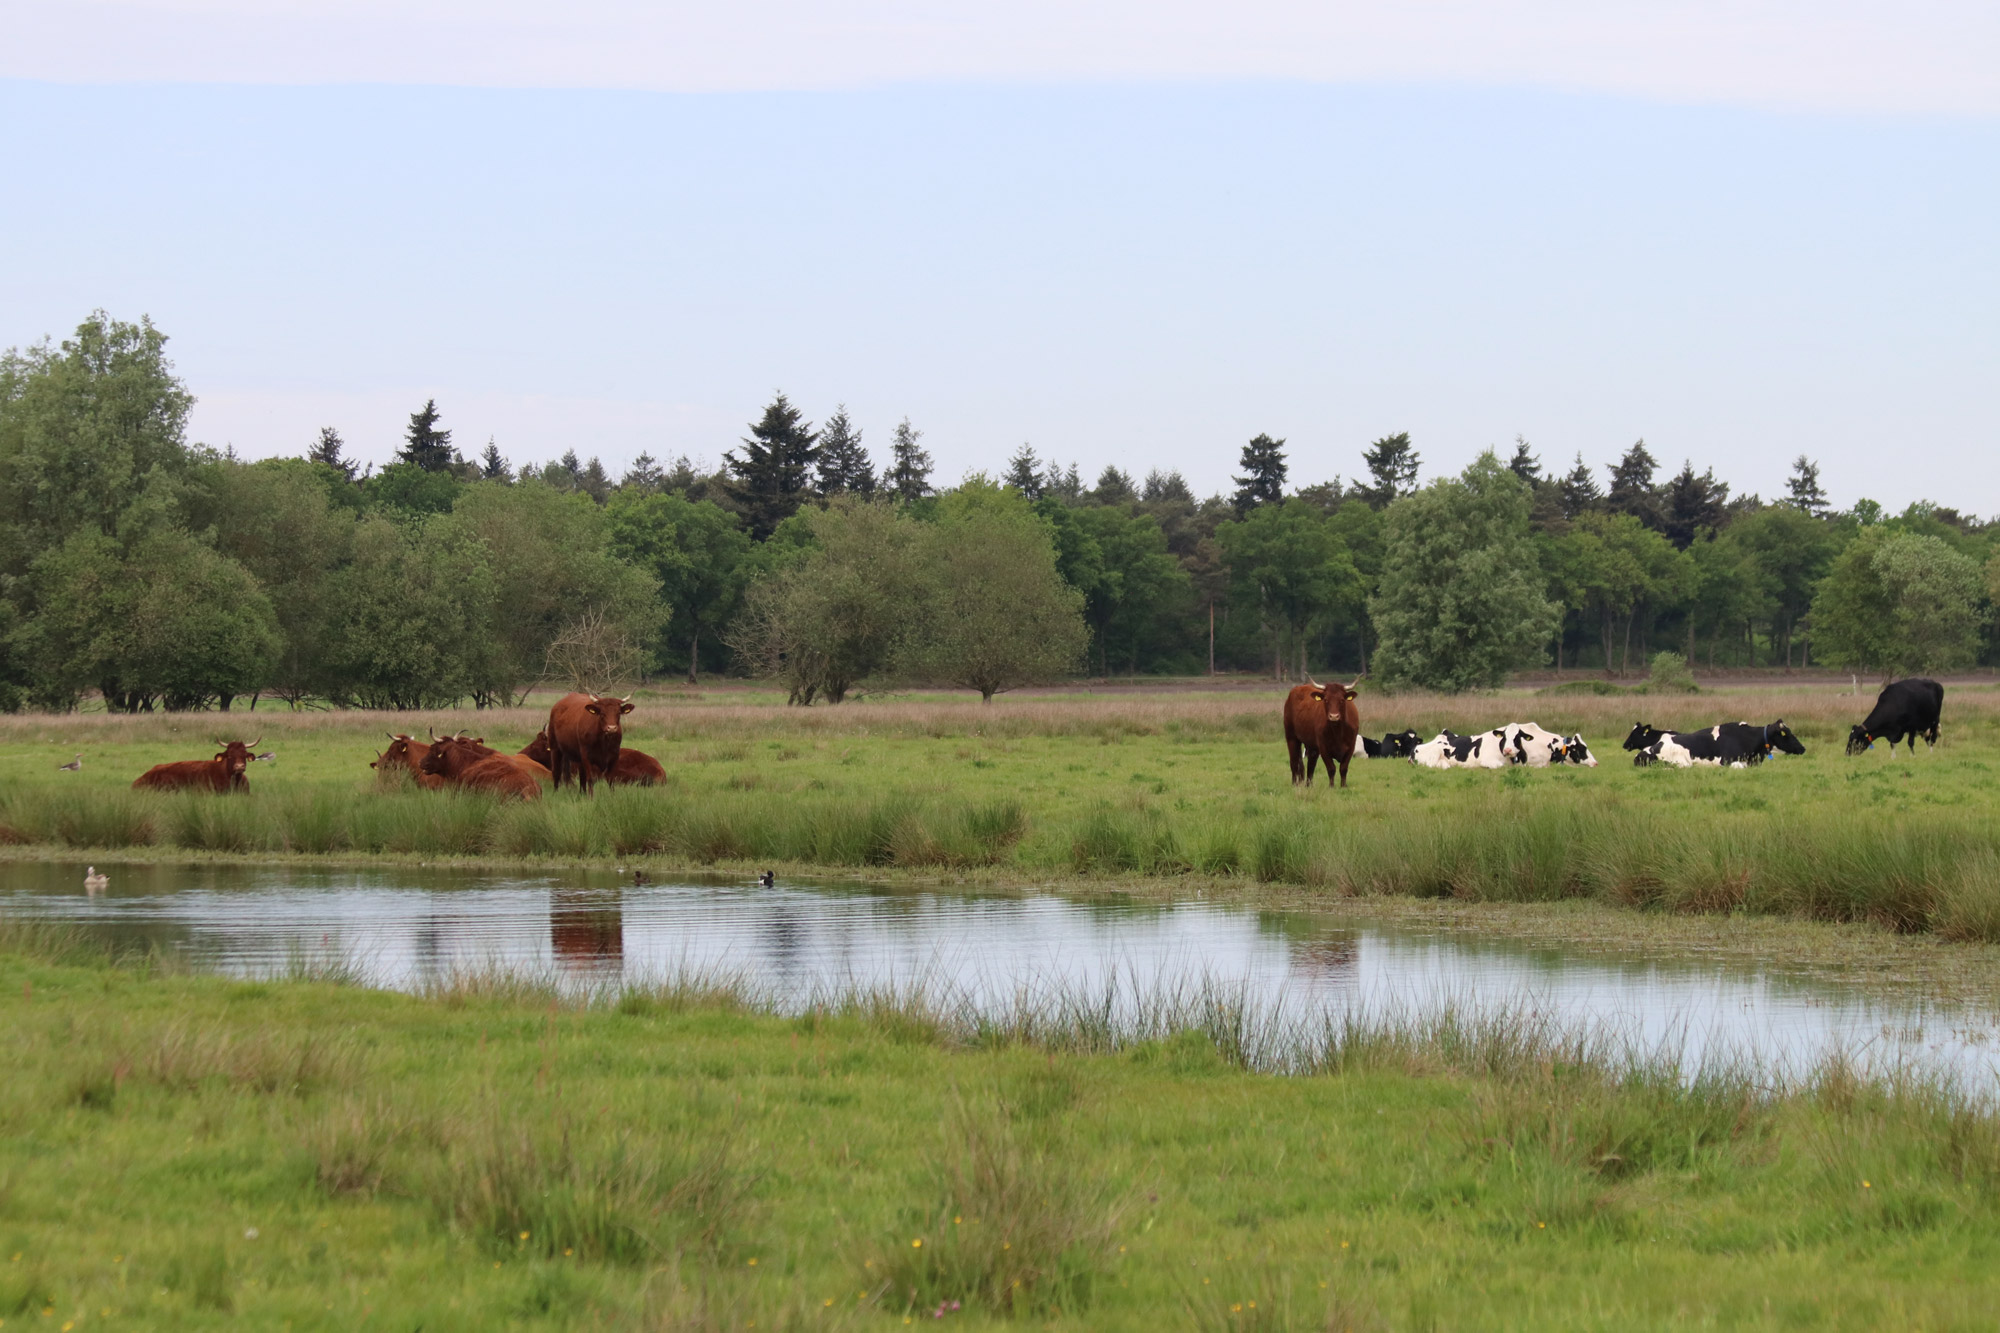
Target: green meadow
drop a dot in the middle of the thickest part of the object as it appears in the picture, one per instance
(190, 1152)
(1188, 787)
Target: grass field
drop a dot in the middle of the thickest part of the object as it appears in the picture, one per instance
(1185, 785)
(187, 1152)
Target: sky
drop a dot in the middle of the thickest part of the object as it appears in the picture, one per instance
(1125, 234)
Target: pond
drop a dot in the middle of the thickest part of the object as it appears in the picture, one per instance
(409, 927)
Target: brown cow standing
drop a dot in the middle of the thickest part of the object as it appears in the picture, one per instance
(1323, 721)
(585, 733)
(406, 752)
(224, 773)
(464, 762)
(634, 767)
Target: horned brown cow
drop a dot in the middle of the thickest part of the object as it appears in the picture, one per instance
(585, 734)
(634, 767)
(224, 773)
(462, 761)
(1322, 721)
(408, 753)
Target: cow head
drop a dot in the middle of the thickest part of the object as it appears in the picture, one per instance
(1574, 751)
(1859, 740)
(608, 711)
(448, 755)
(1642, 735)
(236, 756)
(1402, 744)
(1779, 737)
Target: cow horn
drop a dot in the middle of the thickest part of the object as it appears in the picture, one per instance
(254, 744)
(392, 735)
(1315, 684)
(434, 733)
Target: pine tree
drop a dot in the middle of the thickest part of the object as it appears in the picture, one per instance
(772, 475)
(594, 481)
(1263, 482)
(1063, 484)
(428, 447)
(1578, 491)
(1163, 486)
(327, 451)
(910, 467)
(1693, 503)
(1632, 490)
(570, 469)
(1524, 464)
(491, 465)
(1113, 488)
(1804, 488)
(1392, 461)
(644, 476)
(1024, 473)
(844, 466)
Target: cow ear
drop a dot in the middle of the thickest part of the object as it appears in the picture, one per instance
(625, 708)
(1319, 694)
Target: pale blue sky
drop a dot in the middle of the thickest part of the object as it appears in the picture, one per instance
(1142, 272)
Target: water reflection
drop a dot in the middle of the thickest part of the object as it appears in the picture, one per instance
(587, 931)
(414, 927)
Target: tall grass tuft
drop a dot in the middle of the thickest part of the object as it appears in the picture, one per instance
(1015, 1224)
(543, 1180)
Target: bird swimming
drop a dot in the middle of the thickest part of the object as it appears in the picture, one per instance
(767, 879)
(73, 766)
(94, 883)
(638, 877)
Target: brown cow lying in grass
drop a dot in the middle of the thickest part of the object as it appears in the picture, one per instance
(467, 761)
(224, 773)
(407, 754)
(634, 767)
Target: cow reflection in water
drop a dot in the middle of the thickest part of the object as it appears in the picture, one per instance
(1328, 957)
(587, 930)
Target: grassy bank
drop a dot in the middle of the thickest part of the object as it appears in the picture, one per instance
(1188, 785)
(187, 1152)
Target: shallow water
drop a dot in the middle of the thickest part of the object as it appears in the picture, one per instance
(408, 927)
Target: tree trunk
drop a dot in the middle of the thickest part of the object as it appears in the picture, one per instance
(694, 657)
(222, 702)
(1625, 653)
(1211, 636)
(1604, 634)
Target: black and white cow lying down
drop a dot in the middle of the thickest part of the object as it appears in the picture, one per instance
(1515, 743)
(1904, 708)
(1724, 745)
(1395, 745)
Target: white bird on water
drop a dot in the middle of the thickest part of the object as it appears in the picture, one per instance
(73, 766)
(94, 883)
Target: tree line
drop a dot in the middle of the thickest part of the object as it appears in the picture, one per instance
(160, 574)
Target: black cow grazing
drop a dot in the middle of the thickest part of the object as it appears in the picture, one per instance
(1724, 745)
(1903, 708)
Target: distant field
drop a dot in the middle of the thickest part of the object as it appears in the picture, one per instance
(1092, 786)
(188, 1152)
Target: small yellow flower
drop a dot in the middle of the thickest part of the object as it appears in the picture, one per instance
(567, 1252)
(1343, 1245)
(524, 1235)
(829, 1300)
(917, 1244)
(1121, 1249)
(1237, 1308)
(956, 1220)
(753, 1263)
(1542, 1226)
(1864, 1185)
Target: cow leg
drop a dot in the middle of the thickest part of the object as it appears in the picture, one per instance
(1312, 761)
(1343, 770)
(1298, 765)
(585, 779)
